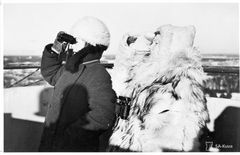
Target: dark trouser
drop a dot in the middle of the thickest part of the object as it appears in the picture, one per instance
(77, 140)
(112, 148)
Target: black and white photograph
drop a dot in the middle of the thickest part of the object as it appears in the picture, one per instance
(120, 77)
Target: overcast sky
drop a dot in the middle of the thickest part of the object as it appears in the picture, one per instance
(29, 27)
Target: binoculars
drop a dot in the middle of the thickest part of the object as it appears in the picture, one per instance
(64, 37)
(61, 44)
(123, 102)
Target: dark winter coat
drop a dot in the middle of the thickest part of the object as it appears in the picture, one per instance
(81, 108)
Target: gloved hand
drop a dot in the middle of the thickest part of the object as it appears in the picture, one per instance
(58, 46)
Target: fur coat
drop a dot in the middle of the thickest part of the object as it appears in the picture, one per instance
(168, 106)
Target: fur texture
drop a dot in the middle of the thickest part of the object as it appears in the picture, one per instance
(91, 30)
(168, 107)
(128, 56)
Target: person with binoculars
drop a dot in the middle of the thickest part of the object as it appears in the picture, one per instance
(82, 106)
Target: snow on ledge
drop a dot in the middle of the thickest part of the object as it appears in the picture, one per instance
(23, 103)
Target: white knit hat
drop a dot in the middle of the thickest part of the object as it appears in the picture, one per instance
(91, 30)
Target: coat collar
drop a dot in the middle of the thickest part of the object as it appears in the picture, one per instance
(91, 61)
(69, 78)
(75, 76)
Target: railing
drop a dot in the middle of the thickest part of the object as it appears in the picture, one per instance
(107, 65)
(221, 69)
(222, 82)
(207, 69)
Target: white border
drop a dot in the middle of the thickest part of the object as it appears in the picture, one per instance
(119, 1)
(80, 1)
(1, 78)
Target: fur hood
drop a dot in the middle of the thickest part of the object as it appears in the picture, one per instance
(128, 56)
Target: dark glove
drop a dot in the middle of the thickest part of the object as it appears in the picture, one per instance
(58, 45)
